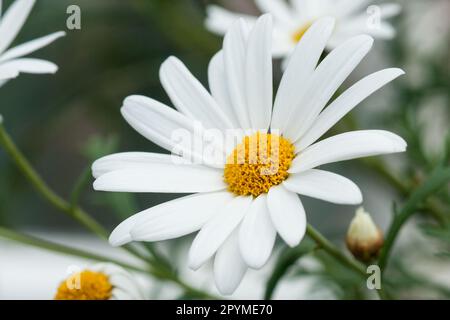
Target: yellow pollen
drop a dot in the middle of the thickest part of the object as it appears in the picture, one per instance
(258, 163)
(297, 35)
(85, 285)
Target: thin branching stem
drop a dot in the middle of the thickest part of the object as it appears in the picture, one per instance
(439, 177)
(78, 214)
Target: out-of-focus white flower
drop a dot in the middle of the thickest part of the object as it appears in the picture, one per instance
(292, 19)
(242, 201)
(426, 23)
(102, 281)
(364, 238)
(12, 59)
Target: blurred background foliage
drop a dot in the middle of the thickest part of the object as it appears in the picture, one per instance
(64, 122)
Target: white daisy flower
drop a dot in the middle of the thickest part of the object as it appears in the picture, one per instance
(238, 207)
(102, 281)
(10, 24)
(292, 19)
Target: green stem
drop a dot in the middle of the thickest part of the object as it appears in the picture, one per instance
(55, 247)
(332, 250)
(79, 215)
(47, 245)
(45, 191)
(48, 194)
(404, 189)
(437, 179)
(326, 245)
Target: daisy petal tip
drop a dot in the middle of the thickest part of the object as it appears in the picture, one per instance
(266, 18)
(60, 34)
(365, 40)
(358, 198)
(98, 184)
(292, 242)
(117, 239)
(194, 261)
(225, 289)
(169, 61)
(398, 143)
(400, 71)
(254, 262)
(193, 264)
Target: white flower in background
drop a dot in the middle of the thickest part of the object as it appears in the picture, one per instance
(238, 208)
(102, 281)
(12, 59)
(292, 19)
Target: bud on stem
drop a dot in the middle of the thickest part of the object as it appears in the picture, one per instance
(364, 238)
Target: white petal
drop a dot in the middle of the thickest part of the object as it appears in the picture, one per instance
(190, 97)
(30, 65)
(259, 73)
(162, 177)
(349, 7)
(287, 214)
(257, 234)
(234, 53)
(119, 294)
(389, 10)
(178, 218)
(324, 185)
(130, 160)
(217, 230)
(171, 130)
(30, 46)
(13, 20)
(127, 284)
(229, 267)
(383, 31)
(218, 86)
(327, 78)
(279, 9)
(7, 73)
(171, 219)
(107, 268)
(345, 103)
(219, 20)
(300, 67)
(346, 146)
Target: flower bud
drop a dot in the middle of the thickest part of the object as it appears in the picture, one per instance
(364, 238)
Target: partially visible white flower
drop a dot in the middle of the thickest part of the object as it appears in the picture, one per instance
(12, 59)
(291, 20)
(239, 206)
(426, 23)
(102, 281)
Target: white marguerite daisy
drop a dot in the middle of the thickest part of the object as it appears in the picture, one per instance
(238, 207)
(292, 19)
(10, 24)
(102, 281)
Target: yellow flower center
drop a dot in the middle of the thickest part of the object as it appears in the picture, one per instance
(258, 163)
(297, 35)
(85, 285)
